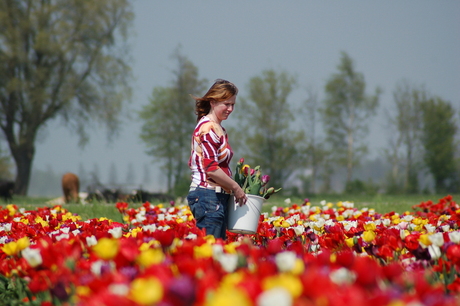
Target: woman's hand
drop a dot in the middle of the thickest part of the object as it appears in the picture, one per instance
(228, 183)
(240, 196)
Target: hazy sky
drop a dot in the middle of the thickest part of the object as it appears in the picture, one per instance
(388, 40)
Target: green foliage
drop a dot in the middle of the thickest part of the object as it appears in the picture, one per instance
(62, 59)
(168, 121)
(265, 122)
(347, 110)
(360, 187)
(438, 139)
(406, 149)
(313, 151)
(14, 292)
(182, 186)
(252, 181)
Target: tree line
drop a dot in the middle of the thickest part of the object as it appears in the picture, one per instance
(69, 60)
(312, 139)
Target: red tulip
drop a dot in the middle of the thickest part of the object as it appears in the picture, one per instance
(345, 258)
(367, 272)
(275, 246)
(453, 254)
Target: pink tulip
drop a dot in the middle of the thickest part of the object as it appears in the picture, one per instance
(265, 178)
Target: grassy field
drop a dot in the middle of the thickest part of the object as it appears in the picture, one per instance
(381, 203)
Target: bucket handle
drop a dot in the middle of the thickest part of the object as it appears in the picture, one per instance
(254, 205)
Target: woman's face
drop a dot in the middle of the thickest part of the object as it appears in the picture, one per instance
(223, 109)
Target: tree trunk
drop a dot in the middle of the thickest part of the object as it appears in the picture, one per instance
(23, 156)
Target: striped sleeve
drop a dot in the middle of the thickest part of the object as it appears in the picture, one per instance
(210, 143)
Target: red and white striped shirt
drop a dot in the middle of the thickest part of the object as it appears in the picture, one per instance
(210, 151)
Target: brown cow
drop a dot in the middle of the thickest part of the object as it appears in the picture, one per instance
(70, 187)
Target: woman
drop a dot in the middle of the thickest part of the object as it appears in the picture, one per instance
(212, 182)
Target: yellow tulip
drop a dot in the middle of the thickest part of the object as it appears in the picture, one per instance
(150, 257)
(146, 291)
(144, 246)
(41, 221)
(14, 247)
(231, 247)
(350, 242)
(287, 281)
(285, 224)
(370, 226)
(425, 239)
(228, 296)
(133, 232)
(11, 209)
(397, 303)
(232, 279)
(202, 251)
(83, 290)
(368, 236)
(23, 243)
(10, 248)
(106, 248)
(210, 239)
(299, 267)
(333, 257)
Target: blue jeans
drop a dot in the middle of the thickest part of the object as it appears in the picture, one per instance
(210, 210)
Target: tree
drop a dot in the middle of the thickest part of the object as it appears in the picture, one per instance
(346, 113)
(5, 165)
(314, 150)
(265, 129)
(438, 139)
(169, 120)
(60, 59)
(392, 153)
(407, 99)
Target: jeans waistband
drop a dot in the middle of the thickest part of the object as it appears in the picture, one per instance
(217, 189)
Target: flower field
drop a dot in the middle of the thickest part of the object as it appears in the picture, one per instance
(331, 254)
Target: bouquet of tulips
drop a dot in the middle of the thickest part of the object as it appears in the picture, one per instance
(252, 181)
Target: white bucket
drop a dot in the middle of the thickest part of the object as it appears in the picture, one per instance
(244, 219)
